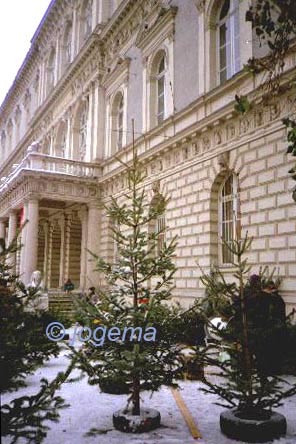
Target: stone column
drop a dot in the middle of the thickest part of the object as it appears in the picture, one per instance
(31, 243)
(49, 255)
(46, 254)
(93, 243)
(12, 226)
(2, 228)
(23, 241)
(84, 221)
(63, 256)
(65, 248)
(2, 233)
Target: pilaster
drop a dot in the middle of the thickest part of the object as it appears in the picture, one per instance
(93, 242)
(83, 265)
(64, 262)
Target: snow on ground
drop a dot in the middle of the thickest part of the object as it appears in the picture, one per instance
(89, 408)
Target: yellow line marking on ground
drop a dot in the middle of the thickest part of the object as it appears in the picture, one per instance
(186, 414)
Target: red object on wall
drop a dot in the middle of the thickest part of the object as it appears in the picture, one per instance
(22, 216)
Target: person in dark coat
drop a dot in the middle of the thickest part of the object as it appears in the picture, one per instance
(267, 327)
(68, 286)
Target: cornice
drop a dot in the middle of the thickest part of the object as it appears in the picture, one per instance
(121, 69)
(161, 27)
(21, 82)
(55, 12)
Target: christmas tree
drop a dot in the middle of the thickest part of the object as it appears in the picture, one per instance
(24, 347)
(246, 346)
(134, 307)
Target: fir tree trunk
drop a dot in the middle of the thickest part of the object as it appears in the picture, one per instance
(245, 341)
(136, 395)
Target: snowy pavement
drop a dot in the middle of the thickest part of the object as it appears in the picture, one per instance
(91, 409)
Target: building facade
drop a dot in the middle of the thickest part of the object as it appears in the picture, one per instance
(171, 69)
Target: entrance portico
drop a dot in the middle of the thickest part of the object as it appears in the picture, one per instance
(59, 217)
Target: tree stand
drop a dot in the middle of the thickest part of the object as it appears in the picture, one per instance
(256, 427)
(124, 421)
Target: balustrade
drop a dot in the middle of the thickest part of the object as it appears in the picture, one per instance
(46, 163)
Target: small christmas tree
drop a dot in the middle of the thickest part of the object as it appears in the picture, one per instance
(139, 284)
(251, 321)
(23, 347)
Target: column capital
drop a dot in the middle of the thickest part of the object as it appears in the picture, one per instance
(94, 204)
(82, 213)
(12, 211)
(32, 199)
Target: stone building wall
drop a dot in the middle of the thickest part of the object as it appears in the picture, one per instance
(191, 151)
(268, 212)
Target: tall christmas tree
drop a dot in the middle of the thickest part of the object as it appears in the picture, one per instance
(140, 352)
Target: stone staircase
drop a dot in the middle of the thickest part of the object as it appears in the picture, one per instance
(62, 302)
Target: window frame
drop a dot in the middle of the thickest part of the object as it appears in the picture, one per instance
(119, 123)
(158, 224)
(161, 78)
(82, 132)
(234, 221)
(232, 42)
(67, 45)
(50, 70)
(87, 19)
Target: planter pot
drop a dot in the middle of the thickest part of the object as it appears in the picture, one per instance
(256, 427)
(114, 387)
(148, 419)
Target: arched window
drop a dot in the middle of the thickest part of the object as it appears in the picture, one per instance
(83, 118)
(157, 89)
(161, 90)
(27, 105)
(117, 123)
(17, 120)
(50, 71)
(120, 123)
(229, 218)
(85, 20)
(157, 224)
(67, 45)
(228, 40)
(61, 140)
